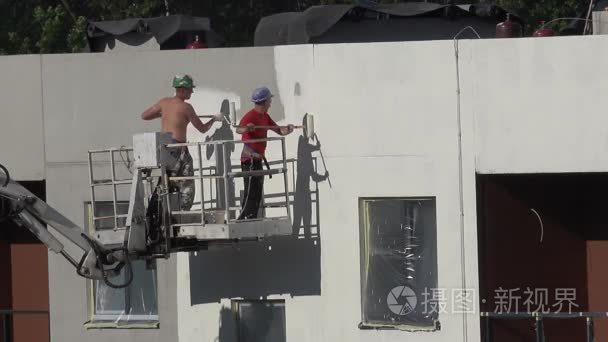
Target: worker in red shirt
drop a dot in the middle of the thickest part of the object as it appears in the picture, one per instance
(254, 152)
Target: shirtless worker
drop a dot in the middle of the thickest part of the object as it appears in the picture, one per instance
(175, 115)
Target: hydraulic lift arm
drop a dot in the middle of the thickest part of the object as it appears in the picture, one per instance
(25, 209)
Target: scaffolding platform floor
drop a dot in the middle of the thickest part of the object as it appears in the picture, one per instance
(235, 230)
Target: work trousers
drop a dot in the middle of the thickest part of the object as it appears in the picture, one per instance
(254, 190)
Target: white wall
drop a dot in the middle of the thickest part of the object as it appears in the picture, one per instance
(388, 117)
(22, 147)
(93, 103)
(383, 134)
(92, 106)
(378, 122)
(389, 129)
(539, 104)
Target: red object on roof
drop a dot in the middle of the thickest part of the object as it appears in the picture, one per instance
(196, 44)
(508, 28)
(543, 31)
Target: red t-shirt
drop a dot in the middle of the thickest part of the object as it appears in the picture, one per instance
(257, 119)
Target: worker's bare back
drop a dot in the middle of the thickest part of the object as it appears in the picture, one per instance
(175, 116)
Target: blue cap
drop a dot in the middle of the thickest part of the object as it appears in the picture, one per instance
(261, 94)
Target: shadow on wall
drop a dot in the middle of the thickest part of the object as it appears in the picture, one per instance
(304, 197)
(279, 265)
(253, 321)
(228, 332)
(253, 270)
(224, 132)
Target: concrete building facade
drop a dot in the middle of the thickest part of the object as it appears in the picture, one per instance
(395, 120)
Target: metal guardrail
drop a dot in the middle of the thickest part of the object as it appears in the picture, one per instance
(538, 321)
(216, 180)
(6, 318)
(113, 182)
(228, 174)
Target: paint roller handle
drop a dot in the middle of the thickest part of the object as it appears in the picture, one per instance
(308, 126)
(269, 127)
(217, 117)
(284, 130)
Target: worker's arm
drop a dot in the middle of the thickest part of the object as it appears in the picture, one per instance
(245, 125)
(196, 121)
(247, 128)
(152, 113)
(281, 130)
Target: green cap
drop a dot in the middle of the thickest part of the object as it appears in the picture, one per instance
(183, 81)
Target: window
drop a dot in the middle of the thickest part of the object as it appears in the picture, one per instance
(134, 306)
(260, 320)
(398, 263)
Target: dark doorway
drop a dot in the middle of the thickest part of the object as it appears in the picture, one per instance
(542, 239)
(24, 288)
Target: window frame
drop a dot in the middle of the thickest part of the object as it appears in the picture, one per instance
(236, 312)
(108, 320)
(364, 251)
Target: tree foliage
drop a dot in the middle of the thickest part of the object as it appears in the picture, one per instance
(536, 11)
(59, 26)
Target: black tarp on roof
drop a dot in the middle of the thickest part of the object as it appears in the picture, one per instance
(302, 27)
(161, 28)
(601, 5)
